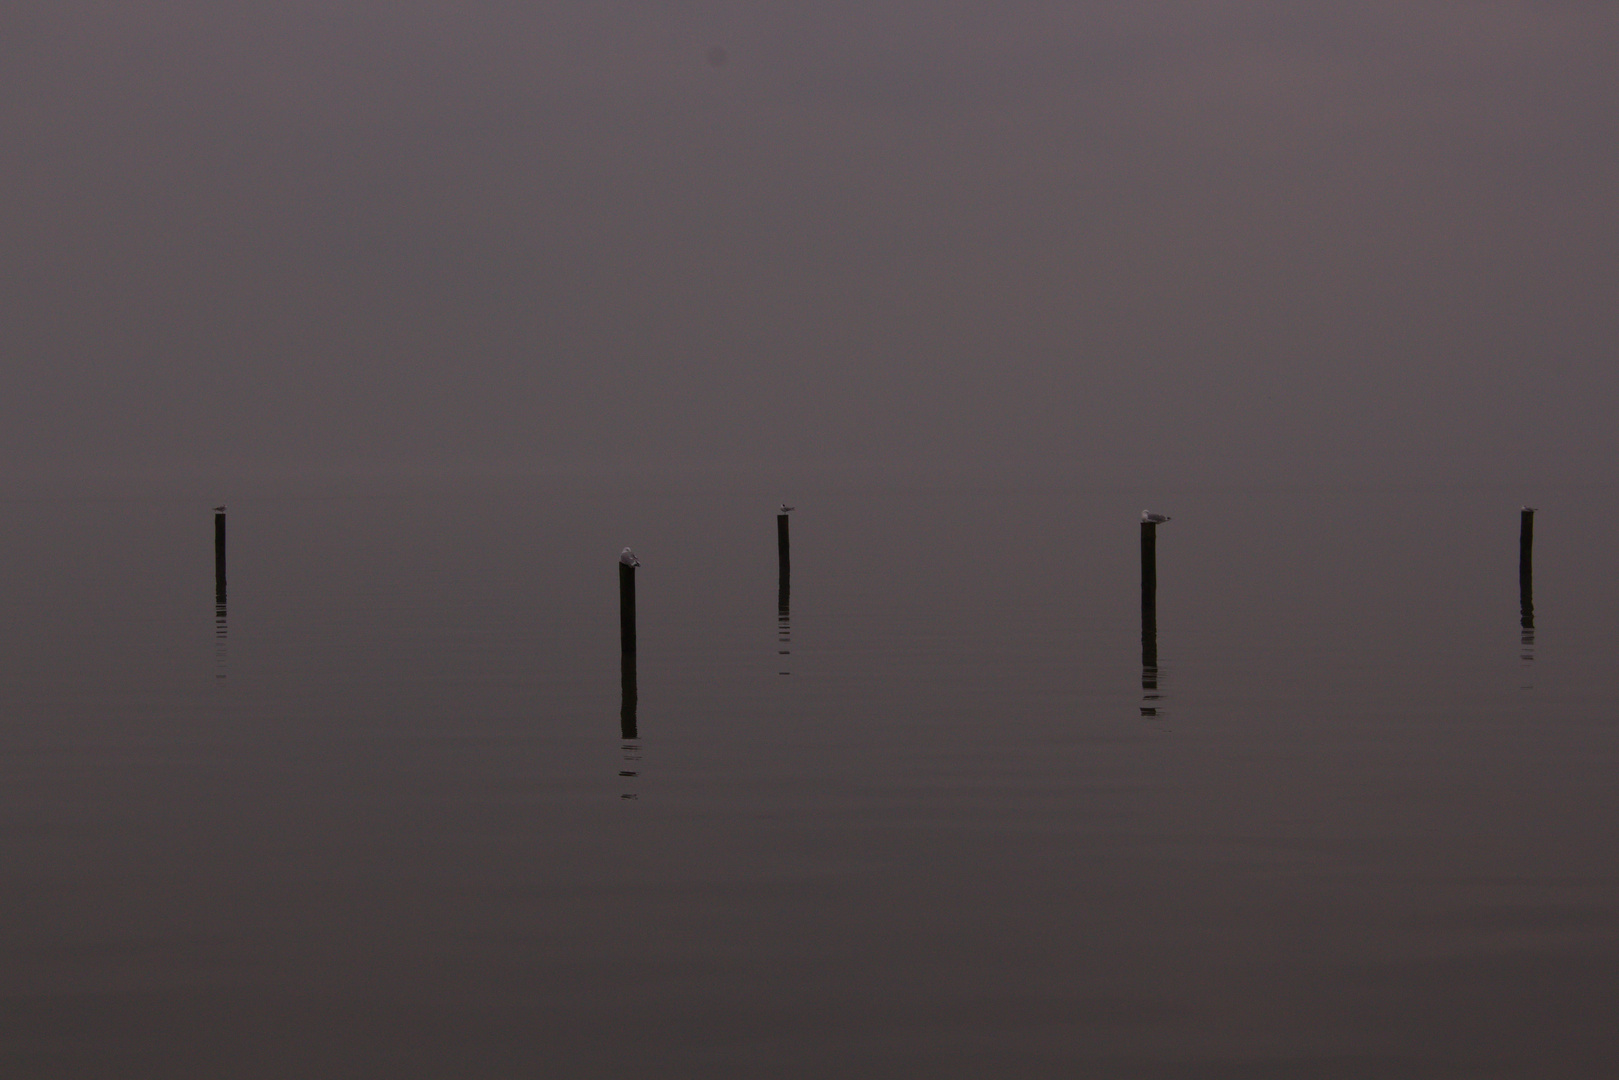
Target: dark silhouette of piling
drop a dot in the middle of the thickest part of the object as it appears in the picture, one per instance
(1149, 562)
(1526, 567)
(784, 585)
(784, 568)
(219, 592)
(626, 608)
(219, 554)
(1149, 617)
(629, 698)
(1149, 645)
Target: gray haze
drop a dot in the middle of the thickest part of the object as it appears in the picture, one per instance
(1012, 238)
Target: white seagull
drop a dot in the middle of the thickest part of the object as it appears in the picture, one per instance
(785, 508)
(1148, 518)
(219, 509)
(1531, 509)
(627, 557)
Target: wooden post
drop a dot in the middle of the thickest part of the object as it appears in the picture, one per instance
(219, 592)
(784, 588)
(1149, 645)
(784, 568)
(1526, 567)
(1526, 541)
(1149, 561)
(219, 554)
(626, 607)
(1149, 617)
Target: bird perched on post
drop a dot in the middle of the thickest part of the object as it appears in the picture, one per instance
(785, 508)
(1148, 518)
(627, 557)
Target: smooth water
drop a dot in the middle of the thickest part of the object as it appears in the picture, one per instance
(378, 815)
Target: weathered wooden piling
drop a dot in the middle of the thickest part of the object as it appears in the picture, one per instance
(784, 584)
(1149, 619)
(784, 567)
(1149, 645)
(1526, 567)
(1149, 562)
(219, 554)
(626, 607)
(1149, 615)
(1526, 542)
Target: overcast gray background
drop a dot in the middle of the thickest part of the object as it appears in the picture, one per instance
(1085, 239)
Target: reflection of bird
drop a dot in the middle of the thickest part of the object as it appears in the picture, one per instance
(627, 557)
(1153, 519)
(219, 509)
(785, 508)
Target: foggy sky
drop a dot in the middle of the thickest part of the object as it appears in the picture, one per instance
(1003, 237)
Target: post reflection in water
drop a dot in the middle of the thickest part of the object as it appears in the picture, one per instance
(1149, 657)
(784, 625)
(627, 729)
(220, 631)
(1526, 617)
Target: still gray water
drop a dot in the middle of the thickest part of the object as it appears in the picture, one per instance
(378, 816)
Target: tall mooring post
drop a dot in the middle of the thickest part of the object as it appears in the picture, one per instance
(1526, 567)
(1149, 562)
(219, 554)
(784, 588)
(1150, 695)
(626, 603)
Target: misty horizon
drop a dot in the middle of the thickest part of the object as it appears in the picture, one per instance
(1094, 241)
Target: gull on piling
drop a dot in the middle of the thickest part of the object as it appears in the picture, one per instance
(627, 557)
(1149, 518)
(785, 508)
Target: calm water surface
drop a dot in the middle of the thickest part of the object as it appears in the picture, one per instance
(379, 816)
